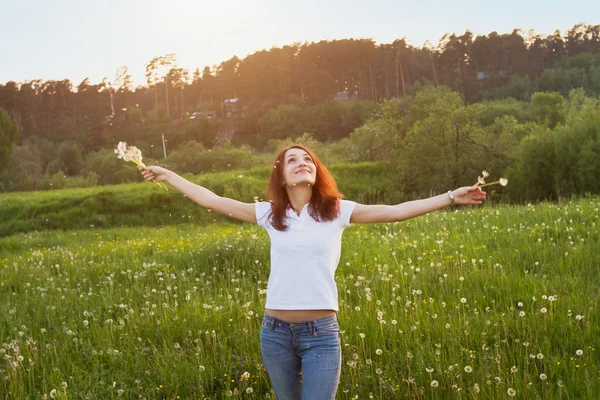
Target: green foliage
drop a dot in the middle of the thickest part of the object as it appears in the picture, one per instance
(194, 158)
(486, 112)
(9, 133)
(577, 148)
(329, 120)
(531, 172)
(518, 87)
(69, 158)
(109, 169)
(548, 108)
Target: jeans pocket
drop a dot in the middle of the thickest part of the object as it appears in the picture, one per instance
(330, 329)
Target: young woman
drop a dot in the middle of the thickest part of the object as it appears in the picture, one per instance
(305, 217)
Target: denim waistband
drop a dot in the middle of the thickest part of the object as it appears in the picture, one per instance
(271, 321)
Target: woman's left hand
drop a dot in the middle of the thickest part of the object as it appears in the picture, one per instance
(469, 195)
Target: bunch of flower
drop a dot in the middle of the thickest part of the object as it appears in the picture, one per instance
(133, 154)
(481, 180)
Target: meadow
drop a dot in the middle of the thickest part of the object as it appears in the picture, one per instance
(487, 302)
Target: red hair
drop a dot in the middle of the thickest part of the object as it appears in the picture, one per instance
(324, 201)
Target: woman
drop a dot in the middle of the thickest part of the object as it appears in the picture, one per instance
(305, 218)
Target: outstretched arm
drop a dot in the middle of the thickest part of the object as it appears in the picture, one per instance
(382, 213)
(202, 196)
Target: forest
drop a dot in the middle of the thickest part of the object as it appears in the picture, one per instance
(519, 104)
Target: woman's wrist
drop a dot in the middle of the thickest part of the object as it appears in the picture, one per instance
(452, 199)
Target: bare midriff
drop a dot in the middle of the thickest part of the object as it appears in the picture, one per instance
(299, 315)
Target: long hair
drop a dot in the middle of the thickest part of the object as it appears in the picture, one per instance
(324, 201)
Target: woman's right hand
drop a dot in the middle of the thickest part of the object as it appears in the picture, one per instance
(154, 173)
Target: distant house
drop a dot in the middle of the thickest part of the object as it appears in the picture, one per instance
(231, 108)
(206, 114)
(339, 96)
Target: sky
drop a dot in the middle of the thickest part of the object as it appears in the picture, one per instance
(75, 39)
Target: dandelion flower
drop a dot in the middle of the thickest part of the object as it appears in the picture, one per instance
(514, 369)
(543, 310)
(378, 352)
(468, 369)
(511, 392)
(543, 377)
(53, 393)
(463, 300)
(503, 181)
(249, 390)
(579, 352)
(434, 384)
(134, 155)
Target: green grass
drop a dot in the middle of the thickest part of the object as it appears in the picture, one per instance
(174, 312)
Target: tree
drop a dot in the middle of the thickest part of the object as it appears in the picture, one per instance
(9, 133)
(69, 157)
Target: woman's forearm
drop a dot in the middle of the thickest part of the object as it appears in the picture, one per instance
(411, 209)
(196, 193)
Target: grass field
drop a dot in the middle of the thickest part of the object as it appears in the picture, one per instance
(476, 303)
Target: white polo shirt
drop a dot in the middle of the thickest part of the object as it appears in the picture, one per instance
(304, 258)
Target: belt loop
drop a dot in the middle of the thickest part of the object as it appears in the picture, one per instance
(312, 328)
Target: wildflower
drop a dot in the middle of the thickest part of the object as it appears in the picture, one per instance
(521, 313)
(134, 155)
(481, 180)
(540, 356)
(379, 371)
(249, 390)
(378, 352)
(463, 300)
(543, 377)
(514, 369)
(511, 392)
(53, 393)
(579, 352)
(544, 310)
(468, 369)
(245, 376)
(434, 384)
(476, 388)
(428, 369)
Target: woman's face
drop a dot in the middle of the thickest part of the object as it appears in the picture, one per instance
(298, 168)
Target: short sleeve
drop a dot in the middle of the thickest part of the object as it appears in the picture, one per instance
(262, 209)
(346, 209)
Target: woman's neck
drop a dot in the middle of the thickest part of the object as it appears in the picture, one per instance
(299, 195)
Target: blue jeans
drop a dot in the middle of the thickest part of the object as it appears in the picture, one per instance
(302, 359)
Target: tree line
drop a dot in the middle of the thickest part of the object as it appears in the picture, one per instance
(482, 67)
